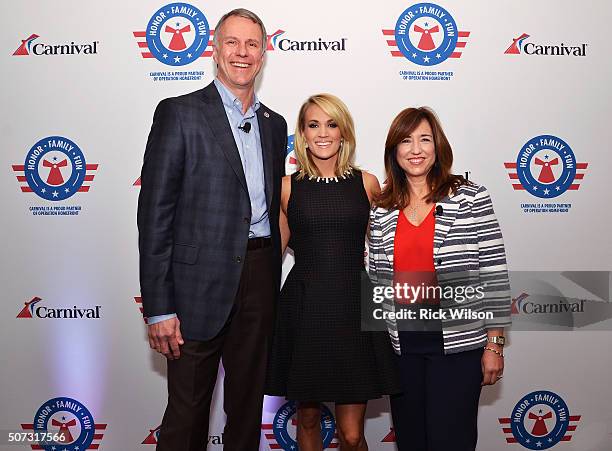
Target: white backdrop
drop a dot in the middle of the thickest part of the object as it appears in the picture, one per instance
(491, 106)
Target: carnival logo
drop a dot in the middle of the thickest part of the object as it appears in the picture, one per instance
(310, 45)
(28, 47)
(426, 34)
(70, 422)
(546, 167)
(177, 34)
(519, 46)
(138, 300)
(282, 432)
(390, 437)
(291, 163)
(153, 438)
(539, 420)
(32, 309)
(522, 306)
(55, 169)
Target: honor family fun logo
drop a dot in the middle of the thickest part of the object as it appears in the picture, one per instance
(291, 163)
(427, 35)
(546, 168)
(34, 309)
(69, 422)
(176, 35)
(540, 420)
(281, 434)
(521, 45)
(55, 170)
(30, 47)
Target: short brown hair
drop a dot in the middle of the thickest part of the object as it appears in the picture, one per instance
(245, 13)
(395, 192)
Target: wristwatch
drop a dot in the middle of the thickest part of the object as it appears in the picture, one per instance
(497, 339)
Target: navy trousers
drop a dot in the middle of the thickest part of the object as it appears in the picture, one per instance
(438, 408)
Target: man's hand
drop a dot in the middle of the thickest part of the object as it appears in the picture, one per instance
(165, 337)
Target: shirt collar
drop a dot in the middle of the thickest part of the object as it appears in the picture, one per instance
(230, 100)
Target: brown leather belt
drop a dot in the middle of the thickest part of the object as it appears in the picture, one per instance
(258, 243)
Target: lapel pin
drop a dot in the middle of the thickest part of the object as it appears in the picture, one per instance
(266, 114)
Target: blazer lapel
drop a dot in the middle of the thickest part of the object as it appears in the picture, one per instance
(217, 119)
(265, 134)
(444, 220)
(389, 221)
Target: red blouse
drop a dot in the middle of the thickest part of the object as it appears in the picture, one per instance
(413, 253)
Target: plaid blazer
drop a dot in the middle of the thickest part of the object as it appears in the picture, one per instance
(194, 211)
(467, 246)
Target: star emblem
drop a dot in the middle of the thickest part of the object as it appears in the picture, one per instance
(414, 55)
(557, 188)
(539, 444)
(438, 55)
(189, 55)
(44, 190)
(177, 59)
(546, 191)
(535, 188)
(66, 190)
(55, 193)
(165, 56)
(426, 59)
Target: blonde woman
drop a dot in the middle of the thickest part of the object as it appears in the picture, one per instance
(319, 351)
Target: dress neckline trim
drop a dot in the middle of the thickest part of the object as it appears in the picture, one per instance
(346, 174)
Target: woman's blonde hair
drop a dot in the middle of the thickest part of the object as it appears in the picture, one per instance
(337, 110)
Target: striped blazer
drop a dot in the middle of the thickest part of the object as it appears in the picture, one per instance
(467, 245)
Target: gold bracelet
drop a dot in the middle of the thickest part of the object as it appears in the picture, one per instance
(495, 351)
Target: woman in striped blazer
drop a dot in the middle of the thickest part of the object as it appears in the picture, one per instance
(438, 233)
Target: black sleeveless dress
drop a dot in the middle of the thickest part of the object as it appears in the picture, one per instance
(319, 352)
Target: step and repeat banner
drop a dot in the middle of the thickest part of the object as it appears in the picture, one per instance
(521, 88)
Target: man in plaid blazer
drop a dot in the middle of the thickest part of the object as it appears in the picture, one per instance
(210, 259)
